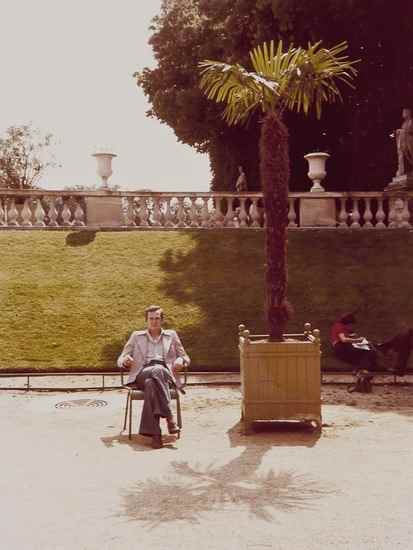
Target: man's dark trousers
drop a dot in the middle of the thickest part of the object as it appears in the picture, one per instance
(154, 381)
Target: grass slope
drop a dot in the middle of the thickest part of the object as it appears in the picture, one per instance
(69, 300)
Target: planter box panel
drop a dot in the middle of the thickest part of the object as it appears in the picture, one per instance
(280, 381)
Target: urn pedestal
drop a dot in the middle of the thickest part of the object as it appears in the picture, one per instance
(104, 211)
(318, 210)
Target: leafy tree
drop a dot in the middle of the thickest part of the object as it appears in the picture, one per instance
(186, 32)
(298, 80)
(24, 157)
(357, 133)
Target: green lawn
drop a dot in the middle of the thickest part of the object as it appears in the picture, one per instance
(69, 300)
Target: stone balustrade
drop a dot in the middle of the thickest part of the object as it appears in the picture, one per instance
(41, 209)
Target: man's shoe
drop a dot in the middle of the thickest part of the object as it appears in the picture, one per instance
(157, 442)
(172, 427)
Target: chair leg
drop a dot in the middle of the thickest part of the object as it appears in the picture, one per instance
(130, 417)
(126, 412)
(178, 414)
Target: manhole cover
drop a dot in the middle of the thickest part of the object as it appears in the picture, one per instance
(81, 403)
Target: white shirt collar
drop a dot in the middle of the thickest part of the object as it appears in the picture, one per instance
(152, 339)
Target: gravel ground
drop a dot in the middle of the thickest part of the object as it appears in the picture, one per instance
(71, 480)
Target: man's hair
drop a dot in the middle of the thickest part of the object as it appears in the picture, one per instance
(348, 319)
(151, 309)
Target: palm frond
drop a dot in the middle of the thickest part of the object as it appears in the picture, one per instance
(296, 79)
(242, 92)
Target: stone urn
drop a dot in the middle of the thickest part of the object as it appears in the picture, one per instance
(317, 170)
(104, 207)
(104, 166)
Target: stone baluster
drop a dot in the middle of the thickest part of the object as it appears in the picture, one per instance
(39, 213)
(52, 213)
(169, 217)
(292, 216)
(406, 213)
(129, 212)
(181, 213)
(264, 218)
(392, 214)
(136, 211)
(79, 214)
(343, 216)
(217, 217)
(204, 213)
(396, 213)
(66, 213)
(27, 214)
(143, 212)
(254, 214)
(156, 216)
(355, 215)
(368, 214)
(380, 214)
(13, 214)
(229, 217)
(243, 216)
(193, 213)
(2, 212)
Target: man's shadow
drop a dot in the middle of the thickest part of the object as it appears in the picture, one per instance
(138, 443)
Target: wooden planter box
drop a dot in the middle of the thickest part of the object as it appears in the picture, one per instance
(280, 380)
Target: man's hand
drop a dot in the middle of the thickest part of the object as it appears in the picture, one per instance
(127, 362)
(179, 364)
(178, 367)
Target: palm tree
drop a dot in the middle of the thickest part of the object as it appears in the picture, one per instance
(297, 79)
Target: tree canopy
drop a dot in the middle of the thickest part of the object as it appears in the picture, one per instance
(356, 134)
(24, 157)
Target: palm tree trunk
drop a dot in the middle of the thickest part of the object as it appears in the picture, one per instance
(275, 174)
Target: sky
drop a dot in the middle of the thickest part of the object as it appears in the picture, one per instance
(67, 68)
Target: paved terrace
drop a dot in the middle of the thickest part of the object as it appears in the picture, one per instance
(71, 480)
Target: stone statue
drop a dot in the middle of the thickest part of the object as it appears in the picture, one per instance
(241, 185)
(404, 141)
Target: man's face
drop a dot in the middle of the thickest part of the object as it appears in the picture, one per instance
(154, 320)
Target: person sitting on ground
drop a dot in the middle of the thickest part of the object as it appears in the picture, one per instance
(349, 347)
(402, 345)
(154, 357)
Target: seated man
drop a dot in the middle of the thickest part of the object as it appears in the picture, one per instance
(154, 356)
(402, 345)
(349, 347)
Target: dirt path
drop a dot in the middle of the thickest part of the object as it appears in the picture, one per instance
(70, 480)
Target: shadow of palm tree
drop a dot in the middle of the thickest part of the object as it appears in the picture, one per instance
(207, 277)
(191, 490)
(197, 490)
(274, 434)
